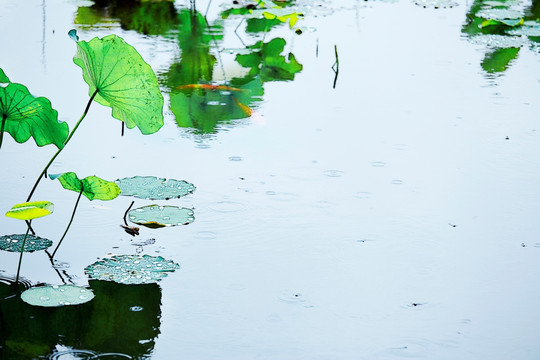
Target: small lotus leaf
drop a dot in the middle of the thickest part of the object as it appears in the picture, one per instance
(24, 115)
(153, 188)
(124, 81)
(131, 269)
(93, 187)
(3, 77)
(31, 210)
(14, 242)
(155, 216)
(54, 296)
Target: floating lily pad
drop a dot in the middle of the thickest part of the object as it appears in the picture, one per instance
(131, 269)
(92, 187)
(499, 14)
(14, 242)
(30, 210)
(156, 216)
(54, 296)
(153, 188)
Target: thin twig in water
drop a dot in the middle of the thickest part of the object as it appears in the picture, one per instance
(125, 214)
(335, 67)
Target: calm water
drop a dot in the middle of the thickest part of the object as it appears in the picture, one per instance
(389, 213)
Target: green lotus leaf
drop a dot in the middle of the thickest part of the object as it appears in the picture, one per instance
(14, 242)
(55, 296)
(3, 77)
(267, 62)
(124, 81)
(131, 269)
(31, 210)
(92, 187)
(24, 116)
(153, 188)
(156, 216)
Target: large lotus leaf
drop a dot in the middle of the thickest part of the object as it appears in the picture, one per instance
(153, 188)
(24, 115)
(31, 210)
(92, 187)
(3, 77)
(14, 242)
(124, 81)
(156, 216)
(267, 62)
(58, 295)
(131, 269)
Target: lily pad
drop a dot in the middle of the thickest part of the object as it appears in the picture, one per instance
(124, 81)
(31, 210)
(131, 269)
(529, 28)
(14, 242)
(54, 296)
(24, 116)
(92, 187)
(153, 188)
(156, 216)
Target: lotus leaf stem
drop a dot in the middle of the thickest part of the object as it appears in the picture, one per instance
(22, 251)
(4, 117)
(65, 143)
(70, 221)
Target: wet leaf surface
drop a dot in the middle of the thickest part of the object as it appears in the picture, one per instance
(156, 216)
(54, 296)
(131, 269)
(14, 242)
(153, 188)
(93, 187)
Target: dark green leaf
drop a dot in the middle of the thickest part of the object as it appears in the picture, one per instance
(499, 60)
(3, 77)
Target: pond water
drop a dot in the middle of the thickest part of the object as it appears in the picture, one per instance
(385, 210)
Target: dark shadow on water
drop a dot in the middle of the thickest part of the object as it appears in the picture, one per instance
(121, 319)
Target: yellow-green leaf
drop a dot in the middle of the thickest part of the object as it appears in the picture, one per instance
(31, 210)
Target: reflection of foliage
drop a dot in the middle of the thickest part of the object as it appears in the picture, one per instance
(502, 23)
(204, 109)
(499, 59)
(146, 17)
(121, 318)
(265, 14)
(267, 62)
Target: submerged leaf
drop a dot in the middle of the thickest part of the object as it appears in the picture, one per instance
(153, 188)
(155, 216)
(499, 60)
(54, 296)
(131, 269)
(31, 210)
(93, 187)
(124, 81)
(13, 243)
(24, 115)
